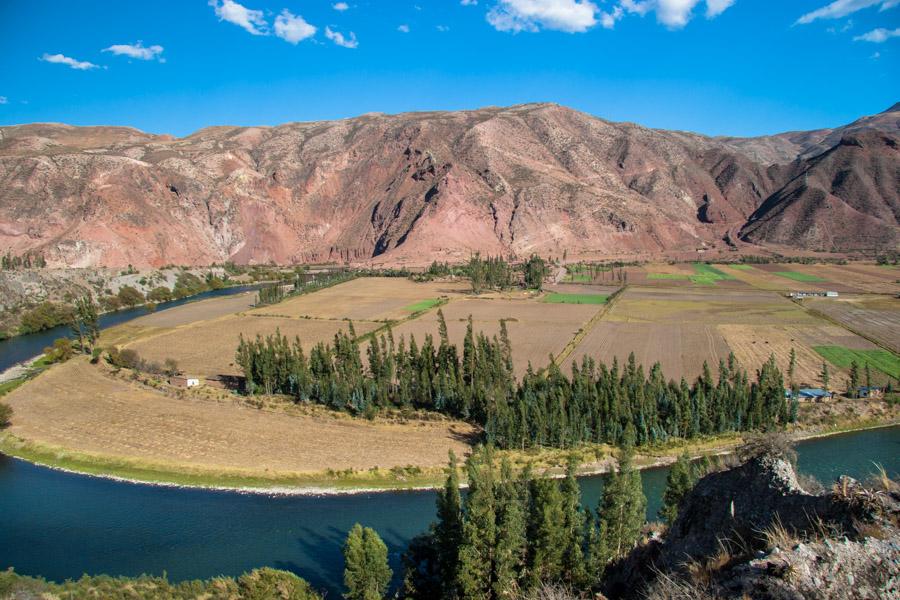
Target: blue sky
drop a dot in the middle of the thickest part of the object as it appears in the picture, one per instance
(735, 67)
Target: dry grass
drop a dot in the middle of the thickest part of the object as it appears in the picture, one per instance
(78, 407)
(208, 347)
(877, 317)
(364, 299)
(536, 329)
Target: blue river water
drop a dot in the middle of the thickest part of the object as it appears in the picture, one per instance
(59, 525)
(23, 347)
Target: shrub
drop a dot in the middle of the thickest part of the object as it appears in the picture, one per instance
(60, 351)
(124, 359)
(45, 316)
(159, 294)
(129, 296)
(5, 415)
(110, 303)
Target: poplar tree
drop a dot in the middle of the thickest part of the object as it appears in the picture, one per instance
(366, 571)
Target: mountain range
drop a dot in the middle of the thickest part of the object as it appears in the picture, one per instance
(411, 188)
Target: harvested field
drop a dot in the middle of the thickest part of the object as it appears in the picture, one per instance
(656, 305)
(876, 317)
(76, 406)
(763, 277)
(364, 299)
(207, 348)
(752, 346)
(857, 277)
(536, 330)
(680, 348)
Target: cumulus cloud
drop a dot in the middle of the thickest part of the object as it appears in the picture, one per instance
(714, 8)
(571, 16)
(61, 59)
(340, 39)
(340, 6)
(842, 8)
(442, 28)
(674, 14)
(878, 36)
(468, 2)
(403, 29)
(248, 19)
(293, 28)
(137, 51)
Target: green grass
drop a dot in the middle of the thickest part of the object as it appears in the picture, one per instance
(881, 360)
(742, 267)
(704, 274)
(558, 298)
(673, 276)
(803, 277)
(423, 305)
(577, 278)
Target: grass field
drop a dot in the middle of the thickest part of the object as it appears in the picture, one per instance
(742, 267)
(423, 305)
(884, 361)
(669, 276)
(559, 298)
(703, 274)
(797, 276)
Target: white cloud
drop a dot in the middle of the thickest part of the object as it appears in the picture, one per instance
(137, 51)
(674, 14)
(842, 8)
(293, 28)
(468, 2)
(80, 65)
(443, 28)
(4, 100)
(714, 8)
(878, 36)
(403, 29)
(876, 56)
(571, 16)
(250, 20)
(340, 6)
(608, 19)
(338, 38)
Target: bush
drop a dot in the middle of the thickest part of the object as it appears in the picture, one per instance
(159, 294)
(774, 444)
(129, 296)
(60, 351)
(124, 359)
(45, 316)
(5, 415)
(110, 303)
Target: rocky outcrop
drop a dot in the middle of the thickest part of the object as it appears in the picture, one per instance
(410, 188)
(754, 532)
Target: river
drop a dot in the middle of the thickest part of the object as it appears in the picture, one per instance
(61, 525)
(23, 347)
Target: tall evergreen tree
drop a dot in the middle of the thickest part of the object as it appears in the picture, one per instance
(477, 551)
(824, 376)
(366, 571)
(573, 527)
(511, 530)
(853, 382)
(448, 532)
(622, 508)
(680, 480)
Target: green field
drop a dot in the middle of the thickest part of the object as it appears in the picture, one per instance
(673, 276)
(804, 277)
(577, 278)
(557, 298)
(423, 305)
(742, 267)
(709, 275)
(881, 360)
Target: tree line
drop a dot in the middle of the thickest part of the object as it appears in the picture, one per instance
(618, 405)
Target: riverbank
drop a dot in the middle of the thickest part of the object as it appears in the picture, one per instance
(349, 481)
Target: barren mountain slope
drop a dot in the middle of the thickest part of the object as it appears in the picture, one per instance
(785, 147)
(405, 188)
(846, 198)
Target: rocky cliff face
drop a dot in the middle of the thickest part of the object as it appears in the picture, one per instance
(405, 188)
(754, 532)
